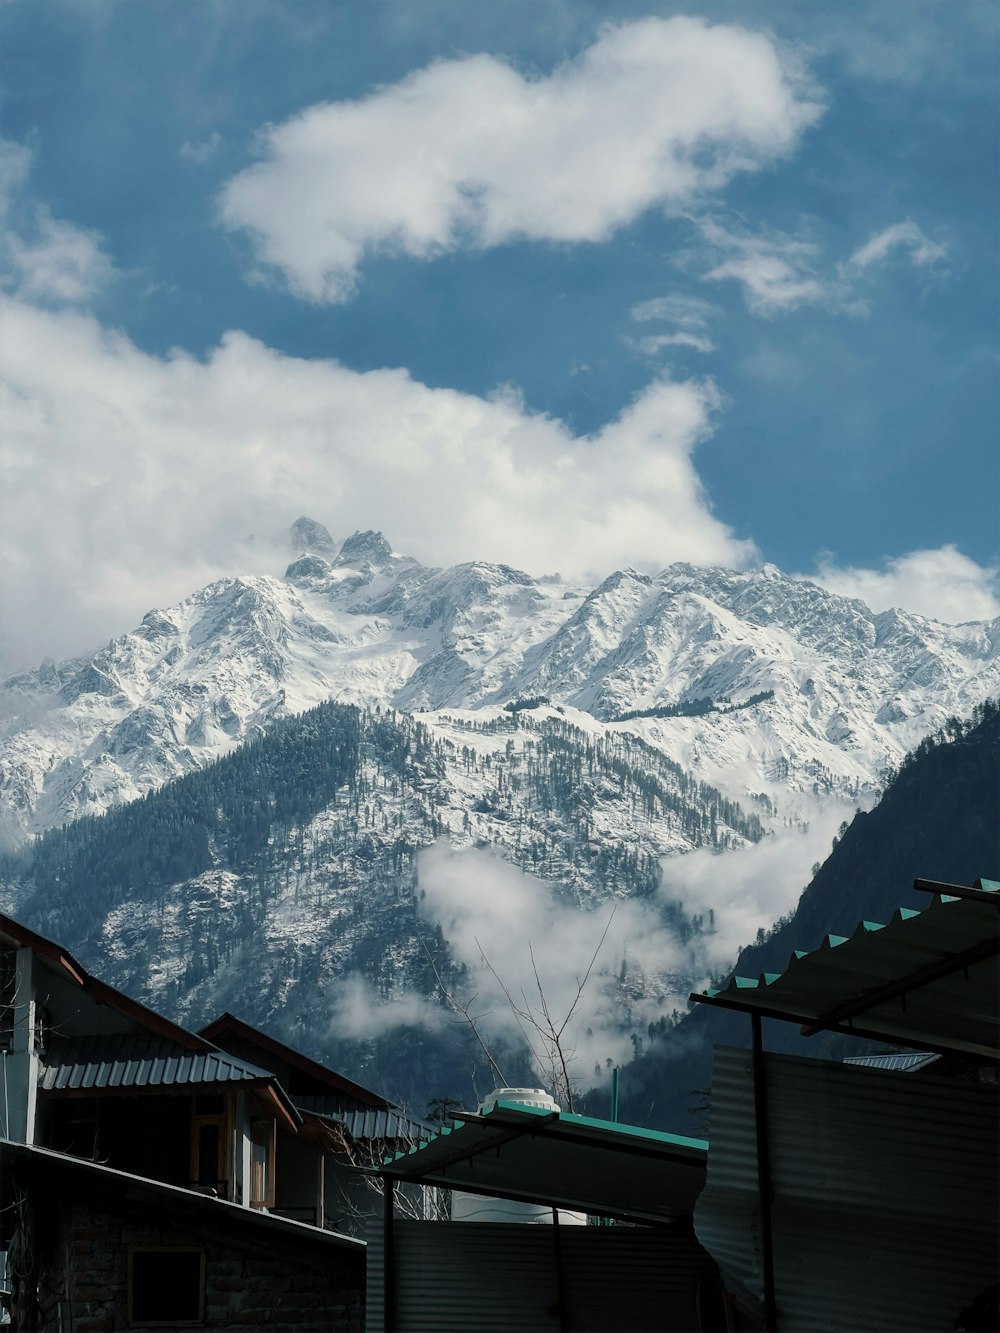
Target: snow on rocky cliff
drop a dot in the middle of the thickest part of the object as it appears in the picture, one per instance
(847, 691)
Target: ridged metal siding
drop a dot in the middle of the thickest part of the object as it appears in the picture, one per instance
(884, 1185)
(454, 1277)
(139, 1060)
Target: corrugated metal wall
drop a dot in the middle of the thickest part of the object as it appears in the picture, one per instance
(885, 1193)
(481, 1277)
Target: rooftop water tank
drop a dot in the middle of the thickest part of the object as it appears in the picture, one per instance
(520, 1097)
(483, 1208)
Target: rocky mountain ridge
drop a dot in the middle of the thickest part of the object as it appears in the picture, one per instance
(852, 690)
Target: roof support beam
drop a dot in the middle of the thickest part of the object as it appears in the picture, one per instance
(976, 895)
(941, 1043)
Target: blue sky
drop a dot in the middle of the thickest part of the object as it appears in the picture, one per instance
(561, 284)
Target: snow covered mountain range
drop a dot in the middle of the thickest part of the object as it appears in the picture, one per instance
(814, 695)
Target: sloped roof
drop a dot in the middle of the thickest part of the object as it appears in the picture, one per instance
(558, 1159)
(390, 1126)
(126, 1061)
(898, 1060)
(117, 1189)
(229, 1024)
(927, 979)
(60, 958)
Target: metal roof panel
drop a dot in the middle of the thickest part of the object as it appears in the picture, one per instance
(137, 1060)
(928, 979)
(569, 1161)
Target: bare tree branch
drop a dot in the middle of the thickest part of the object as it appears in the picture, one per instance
(464, 1012)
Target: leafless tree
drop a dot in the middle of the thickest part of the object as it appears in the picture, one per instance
(545, 1034)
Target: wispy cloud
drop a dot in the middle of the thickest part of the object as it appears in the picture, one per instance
(777, 272)
(905, 236)
(780, 273)
(486, 906)
(202, 151)
(655, 342)
(689, 315)
(941, 583)
(43, 258)
(471, 152)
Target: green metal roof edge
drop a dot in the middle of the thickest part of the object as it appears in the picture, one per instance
(765, 979)
(633, 1131)
(610, 1127)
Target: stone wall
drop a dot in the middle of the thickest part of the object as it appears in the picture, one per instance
(256, 1274)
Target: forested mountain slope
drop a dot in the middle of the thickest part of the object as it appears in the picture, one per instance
(938, 819)
(259, 883)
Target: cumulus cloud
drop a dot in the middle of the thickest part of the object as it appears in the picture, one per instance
(128, 479)
(43, 258)
(485, 906)
(942, 583)
(472, 152)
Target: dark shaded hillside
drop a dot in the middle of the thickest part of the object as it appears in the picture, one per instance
(939, 819)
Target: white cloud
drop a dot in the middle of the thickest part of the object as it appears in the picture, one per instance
(43, 258)
(689, 312)
(473, 152)
(655, 342)
(15, 167)
(778, 273)
(759, 883)
(943, 584)
(486, 906)
(361, 1012)
(61, 263)
(690, 316)
(202, 151)
(903, 235)
(127, 479)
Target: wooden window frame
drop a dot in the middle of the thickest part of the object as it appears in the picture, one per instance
(223, 1120)
(270, 1165)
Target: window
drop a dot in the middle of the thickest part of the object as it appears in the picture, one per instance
(210, 1136)
(166, 1286)
(262, 1164)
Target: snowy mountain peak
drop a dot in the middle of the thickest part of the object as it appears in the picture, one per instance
(307, 535)
(752, 680)
(365, 548)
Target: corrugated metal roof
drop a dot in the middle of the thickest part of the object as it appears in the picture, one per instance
(389, 1126)
(898, 1060)
(570, 1161)
(884, 1189)
(927, 979)
(137, 1060)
